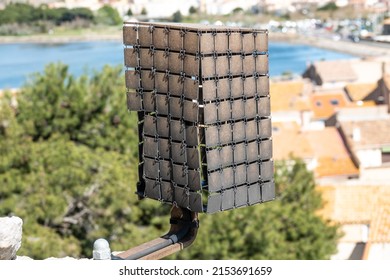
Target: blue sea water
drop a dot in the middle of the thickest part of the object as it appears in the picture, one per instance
(19, 61)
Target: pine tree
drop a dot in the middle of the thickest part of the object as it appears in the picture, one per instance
(68, 168)
(287, 228)
(68, 164)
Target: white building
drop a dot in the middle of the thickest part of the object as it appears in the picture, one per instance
(369, 145)
(363, 213)
(162, 8)
(222, 7)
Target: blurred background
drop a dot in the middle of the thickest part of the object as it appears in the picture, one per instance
(68, 145)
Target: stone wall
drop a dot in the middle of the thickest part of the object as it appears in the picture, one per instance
(10, 237)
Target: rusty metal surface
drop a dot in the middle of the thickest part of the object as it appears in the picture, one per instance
(236, 87)
(130, 35)
(266, 172)
(147, 80)
(194, 184)
(235, 42)
(227, 199)
(212, 136)
(240, 175)
(162, 101)
(176, 86)
(225, 133)
(148, 101)
(241, 196)
(131, 57)
(191, 42)
(202, 93)
(210, 113)
(265, 149)
(164, 148)
(165, 170)
(150, 125)
(227, 178)
(133, 80)
(254, 193)
(191, 88)
(251, 129)
(177, 128)
(160, 60)
(152, 189)
(239, 153)
(160, 38)
(238, 131)
(167, 191)
(209, 90)
(252, 151)
(151, 147)
(192, 135)
(134, 101)
(190, 111)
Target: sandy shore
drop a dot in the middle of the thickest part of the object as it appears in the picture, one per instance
(59, 39)
(361, 49)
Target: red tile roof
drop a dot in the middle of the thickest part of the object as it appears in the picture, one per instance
(325, 105)
(326, 146)
(359, 204)
(358, 91)
(287, 96)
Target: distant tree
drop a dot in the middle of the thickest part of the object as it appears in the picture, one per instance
(68, 168)
(287, 228)
(144, 12)
(192, 10)
(286, 16)
(129, 12)
(24, 13)
(237, 10)
(331, 6)
(82, 13)
(287, 74)
(177, 17)
(107, 15)
(68, 165)
(19, 13)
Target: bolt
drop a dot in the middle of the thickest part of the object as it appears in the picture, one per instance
(101, 250)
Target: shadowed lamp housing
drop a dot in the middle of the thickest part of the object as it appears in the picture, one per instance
(202, 97)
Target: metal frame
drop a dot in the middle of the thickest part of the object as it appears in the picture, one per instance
(183, 231)
(205, 143)
(202, 97)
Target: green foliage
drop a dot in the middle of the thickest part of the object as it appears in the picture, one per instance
(83, 13)
(68, 164)
(84, 110)
(177, 17)
(144, 12)
(237, 10)
(19, 12)
(24, 13)
(331, 6)
(192, 10)
(286, 228)
(107, 15)
(129, 12)
(68, 168)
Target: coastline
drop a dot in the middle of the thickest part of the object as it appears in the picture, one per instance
(361, 49)
(58, 39)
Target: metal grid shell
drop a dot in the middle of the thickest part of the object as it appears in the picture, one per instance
(202, 97)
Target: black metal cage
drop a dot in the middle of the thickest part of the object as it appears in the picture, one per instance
(202, 97)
